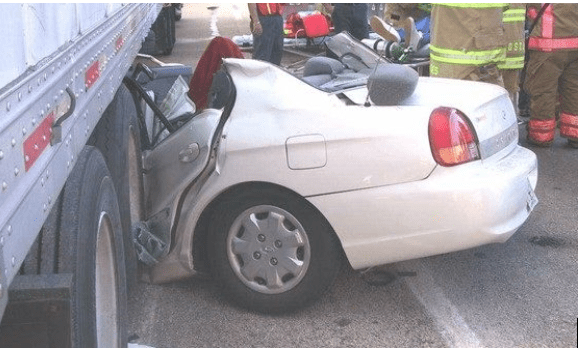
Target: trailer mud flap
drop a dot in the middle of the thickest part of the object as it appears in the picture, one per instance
(38, 314)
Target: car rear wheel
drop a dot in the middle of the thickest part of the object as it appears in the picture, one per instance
(272, 252)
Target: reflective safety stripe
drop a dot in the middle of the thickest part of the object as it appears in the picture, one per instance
(473, 5)
(532, 13)
(547, 45)
(516, 48)
(512, 63)
(445, 55)
(548, 23)
(267, 9)
(514, 15)
(546, 41)
(569, 125)
(542, 131)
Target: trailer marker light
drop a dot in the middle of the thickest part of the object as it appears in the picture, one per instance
(92, 74)
(119, 43)
(35, 144)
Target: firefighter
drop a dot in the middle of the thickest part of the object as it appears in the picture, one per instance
(467, 41)
(553, 70)
(351, 18)
(514, 20)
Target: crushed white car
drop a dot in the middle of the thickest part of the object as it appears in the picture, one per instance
(290, 174)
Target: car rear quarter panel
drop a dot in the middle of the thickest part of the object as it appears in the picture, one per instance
(351, 147)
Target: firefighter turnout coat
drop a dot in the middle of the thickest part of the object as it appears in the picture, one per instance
(513, 21)
(465, 39)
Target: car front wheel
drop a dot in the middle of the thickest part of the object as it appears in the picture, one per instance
(272, 252)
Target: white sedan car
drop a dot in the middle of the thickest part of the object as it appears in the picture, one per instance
(289, 175)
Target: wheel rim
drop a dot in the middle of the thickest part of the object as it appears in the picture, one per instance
(268, 249)
(106, 285)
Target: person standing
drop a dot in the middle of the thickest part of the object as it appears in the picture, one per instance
(351, 18)
(467, 41)
(552, 71)
(267, 29)
(514, 20)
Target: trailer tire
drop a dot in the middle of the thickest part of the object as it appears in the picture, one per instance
(161, 37)
(117, 136)
(91, 249)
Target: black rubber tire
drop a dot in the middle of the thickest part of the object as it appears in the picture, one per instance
(90, 218)
(161, 37)
(324, 259)
(117, 136)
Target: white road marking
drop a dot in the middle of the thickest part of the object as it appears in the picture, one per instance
(191, 41)
(451, 325)
(237, 12)
(213, 26)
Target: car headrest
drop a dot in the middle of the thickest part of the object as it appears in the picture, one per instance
(390, 84)
(322, 65)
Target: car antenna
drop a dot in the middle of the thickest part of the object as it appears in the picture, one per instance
(367, 102)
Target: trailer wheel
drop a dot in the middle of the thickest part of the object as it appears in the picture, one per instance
(91, 249)
(117, 136)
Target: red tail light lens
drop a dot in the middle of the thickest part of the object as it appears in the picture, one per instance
(452, 137)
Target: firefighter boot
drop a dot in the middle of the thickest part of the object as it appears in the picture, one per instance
(569, 128)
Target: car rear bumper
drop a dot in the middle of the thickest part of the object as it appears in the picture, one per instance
(453, 209)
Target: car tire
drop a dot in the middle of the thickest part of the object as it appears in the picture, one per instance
(91, 249)
(272, 252)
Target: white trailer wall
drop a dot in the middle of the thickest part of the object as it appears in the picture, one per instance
(30, 33)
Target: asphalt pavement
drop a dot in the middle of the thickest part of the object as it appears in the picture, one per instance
(522, 293)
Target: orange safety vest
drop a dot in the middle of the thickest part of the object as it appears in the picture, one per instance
(269, 9)
(557, 29)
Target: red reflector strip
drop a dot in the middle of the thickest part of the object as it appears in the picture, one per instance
(548, 22)
(548, 45)
(119, 43)
(569, 125)
(92, 74)
(35, 144)
(542, 130)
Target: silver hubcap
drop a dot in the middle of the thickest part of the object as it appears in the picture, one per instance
(268, 249)
(106, 290)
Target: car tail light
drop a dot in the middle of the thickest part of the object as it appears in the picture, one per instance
(452, 137)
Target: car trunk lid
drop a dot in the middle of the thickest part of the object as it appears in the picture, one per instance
(487, 106)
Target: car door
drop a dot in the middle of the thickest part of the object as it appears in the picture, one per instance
(174, 164)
